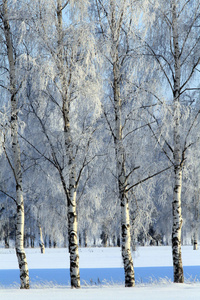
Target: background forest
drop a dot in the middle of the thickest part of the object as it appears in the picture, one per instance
(99, 125)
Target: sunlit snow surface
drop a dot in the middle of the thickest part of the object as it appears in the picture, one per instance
(102, 275)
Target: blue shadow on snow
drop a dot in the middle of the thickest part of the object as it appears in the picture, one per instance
(96, 276)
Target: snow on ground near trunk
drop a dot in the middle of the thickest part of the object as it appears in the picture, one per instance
(50, 275)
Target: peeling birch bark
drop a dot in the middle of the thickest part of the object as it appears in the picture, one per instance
(19, 246)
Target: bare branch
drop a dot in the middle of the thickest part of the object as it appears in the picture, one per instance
(168, 145)
(191, 73)
(147, 178)
(38, 151)
(161, 66)
(189, 89)
(8, 159)
(128, 175)
(65, 5)
(135, 129)
(110, 127)
(160, 144)
(83, 189)
(188, 33)
(11, 197)
(188, 1)
(188, 133)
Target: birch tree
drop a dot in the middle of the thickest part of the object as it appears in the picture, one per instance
(191, 190)
(177, 59)
(69, 94)
(72, 190)
(117, 25)
(15, 164)
(114, 17)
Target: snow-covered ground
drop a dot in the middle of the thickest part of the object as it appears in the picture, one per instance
(58, 258)
(164, 292)
(102, 275)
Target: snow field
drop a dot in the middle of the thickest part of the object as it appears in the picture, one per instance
(58, 258)
(150, 292)
(100, 258)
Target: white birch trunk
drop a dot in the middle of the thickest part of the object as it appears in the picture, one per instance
(121, 176)
(71, 205)
(85, 238)
(19, 246)
(72, 190)
(41, 241)
(73, 241)
(195, 243)
(177, 225)
(196, 221)
(115, 26)
(24, 273)
(176, 205)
